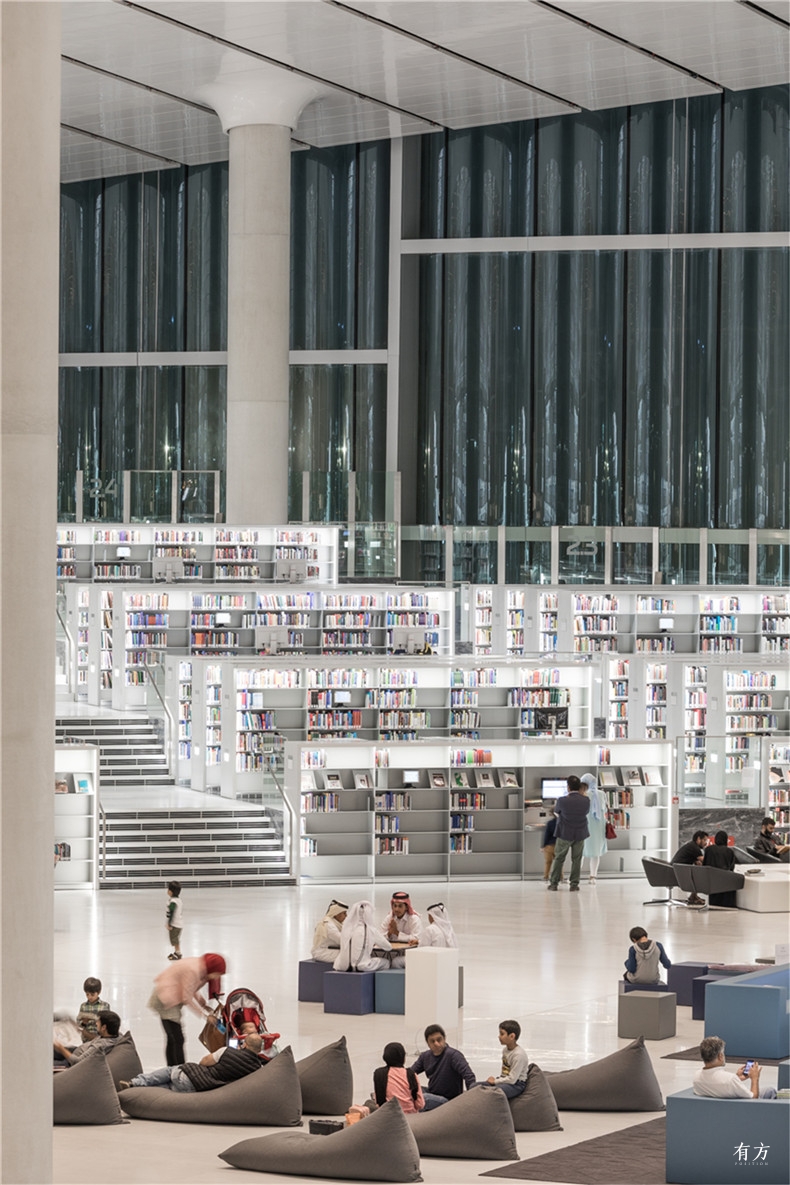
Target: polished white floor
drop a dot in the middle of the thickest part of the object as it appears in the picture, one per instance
(550, 960)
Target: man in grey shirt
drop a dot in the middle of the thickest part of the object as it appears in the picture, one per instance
(572, 830)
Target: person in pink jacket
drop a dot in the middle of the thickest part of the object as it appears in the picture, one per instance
(179, 985)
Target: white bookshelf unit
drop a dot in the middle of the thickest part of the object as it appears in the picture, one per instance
(76, 816)
(436, 810)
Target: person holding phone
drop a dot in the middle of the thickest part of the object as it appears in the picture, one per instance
(714, 1081)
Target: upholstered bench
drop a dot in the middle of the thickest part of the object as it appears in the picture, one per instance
(350, 992)
(727, 1141)
(680, 980)
(391, 992)
(750, 1013)
(651, 1015)
(311, 980)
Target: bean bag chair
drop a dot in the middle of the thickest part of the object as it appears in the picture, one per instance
(623, 1081)
(379, 1148)
(475, 1126)
(86, 1094)
(535, 1110)
(269, 1097)
(124, 1060)
(327, 1080)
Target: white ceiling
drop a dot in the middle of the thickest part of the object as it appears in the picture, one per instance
(134, 73)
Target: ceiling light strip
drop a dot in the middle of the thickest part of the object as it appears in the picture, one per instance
(165, 160)
(261, 57)
(143, 86)
(763, 12)
(647, 53)
(452, 53)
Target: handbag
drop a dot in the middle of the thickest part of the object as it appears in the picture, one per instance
(212, 1037)
(610, 832)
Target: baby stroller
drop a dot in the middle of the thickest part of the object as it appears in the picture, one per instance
(243, 1007)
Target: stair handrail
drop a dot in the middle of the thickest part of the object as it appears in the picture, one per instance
(69, 649)
(288, 806)
(170, 723)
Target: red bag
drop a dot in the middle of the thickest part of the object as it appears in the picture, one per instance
(610, 831)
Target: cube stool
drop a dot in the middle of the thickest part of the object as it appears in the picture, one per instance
(727, 1141)
(642, 987)
(391, 992)
(311, 980)
(698, 993)
(680, 978)
(350, 992)
(646, 1014)
(783, 1079)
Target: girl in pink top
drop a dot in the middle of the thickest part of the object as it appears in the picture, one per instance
(394, 1081)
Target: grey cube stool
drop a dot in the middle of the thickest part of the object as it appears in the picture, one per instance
(650, 1015)
(311, 980)
(350, 992)
(680, 979)
(642, 987)
(391, 992)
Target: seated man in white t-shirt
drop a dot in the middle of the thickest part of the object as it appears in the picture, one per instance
(715, 1082)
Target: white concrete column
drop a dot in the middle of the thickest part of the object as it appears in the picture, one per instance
(258, 109)
(29, 249)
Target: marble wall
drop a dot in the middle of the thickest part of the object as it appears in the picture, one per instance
(741, 822)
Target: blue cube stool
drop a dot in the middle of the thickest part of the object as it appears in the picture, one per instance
(391, 992)
(350, 992)
(311, 980)
(783, 1079)
(698, 994)
(680, 978)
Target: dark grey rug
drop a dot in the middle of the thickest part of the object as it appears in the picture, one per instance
(692, 1055)
(632, 1156)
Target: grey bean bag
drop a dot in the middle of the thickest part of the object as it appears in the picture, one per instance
(85, 1093)
(269, 1097)
(124, 1060)
(535, 1110)
(379, 1148)
(623, 1081)
(475, 1126)
(327, 1080)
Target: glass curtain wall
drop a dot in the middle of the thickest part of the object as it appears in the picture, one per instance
(606, 387)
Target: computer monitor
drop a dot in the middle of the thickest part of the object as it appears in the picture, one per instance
(551, 719)
(294, 571)
(406, 641)
(553, 787)
(167, 570)
(411, 777)
(271, 639)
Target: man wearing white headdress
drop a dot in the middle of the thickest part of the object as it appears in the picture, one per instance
(595, 845)
(358, 938)
(326, 939)
(439, 931)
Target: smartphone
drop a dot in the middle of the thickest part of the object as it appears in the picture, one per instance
(748, 1065)
(233, 1043)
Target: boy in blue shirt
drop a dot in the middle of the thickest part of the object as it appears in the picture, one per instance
(447, 1069)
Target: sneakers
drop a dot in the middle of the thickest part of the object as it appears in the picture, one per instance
(574, 888)
(553, 888)
(174, 957)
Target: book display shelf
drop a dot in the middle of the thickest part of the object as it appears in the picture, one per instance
(619, 683)
(779, 785)
(76, 816)
(775, 623)
(437, 810)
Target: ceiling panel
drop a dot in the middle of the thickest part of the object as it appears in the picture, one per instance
(725, 41)
(336, 45)
(543, 48)
(82, 158)
(120, 111)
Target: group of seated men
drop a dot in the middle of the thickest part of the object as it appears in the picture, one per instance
(369, 944)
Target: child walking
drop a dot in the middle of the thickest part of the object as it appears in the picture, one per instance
(644, 956)
(175, 911)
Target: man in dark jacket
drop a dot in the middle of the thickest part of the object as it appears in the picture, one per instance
(208, 1074)
(447, 1069)
(766, 843)
(692, 852)
(572, 830)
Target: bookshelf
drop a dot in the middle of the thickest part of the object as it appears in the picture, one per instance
(619, 685)
(353, 623)
(515, 621)
(120, 553)
(483, 620)
(656, 701)
(775, 623)
(183, 553)
(76, 815)
(336, 800)
(549, 611)
(718, 625)
(595, 622)
(778, 798)
(416, 619)
(655, 619)
(218, 623)
(339, 703)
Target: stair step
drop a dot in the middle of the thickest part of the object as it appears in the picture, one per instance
(204, 881)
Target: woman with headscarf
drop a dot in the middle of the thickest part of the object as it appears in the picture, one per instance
(595, 845)
(720, 855)
(358, 938)
(179, 985)
(439, 931)
(326, 939)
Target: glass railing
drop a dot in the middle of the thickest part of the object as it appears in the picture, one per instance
(735, 771)
(141, 495)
